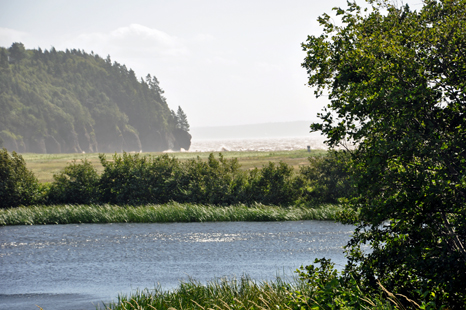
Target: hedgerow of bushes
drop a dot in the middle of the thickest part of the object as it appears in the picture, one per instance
(137, 179)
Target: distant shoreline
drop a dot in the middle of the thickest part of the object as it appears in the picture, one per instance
(254, 131)
(264, 144)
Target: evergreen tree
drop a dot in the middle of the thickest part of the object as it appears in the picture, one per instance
(3, 59)
(17, 51)
(182, 120)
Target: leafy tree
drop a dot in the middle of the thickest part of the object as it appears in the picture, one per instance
(328, 178)
(18, 185)
(396, 83)
(272, 184)
(135, 179)
(76, 183)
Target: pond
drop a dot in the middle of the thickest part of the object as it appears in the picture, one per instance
(78, 266)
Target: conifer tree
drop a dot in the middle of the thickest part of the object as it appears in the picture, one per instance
(182, 120)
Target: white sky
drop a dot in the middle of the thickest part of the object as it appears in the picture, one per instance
(224, 62)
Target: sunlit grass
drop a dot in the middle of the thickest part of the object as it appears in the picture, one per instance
(228, 294)
(167, 213)
(45, 165)
(247, 294)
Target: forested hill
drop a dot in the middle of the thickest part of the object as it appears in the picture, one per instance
(70, 101)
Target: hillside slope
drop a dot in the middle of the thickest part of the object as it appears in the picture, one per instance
(70, 101)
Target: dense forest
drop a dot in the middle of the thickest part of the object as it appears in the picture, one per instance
(71, 101)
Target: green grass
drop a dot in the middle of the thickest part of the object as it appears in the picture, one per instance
(45, 166)
(228, 294)
(167, 213)
(246, 294)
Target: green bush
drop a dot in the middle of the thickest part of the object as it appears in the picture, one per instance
(135, 179)
(18, 185)
(216, 181)
(77, 183)
(326, 289)
(273, 184)
(328, 178)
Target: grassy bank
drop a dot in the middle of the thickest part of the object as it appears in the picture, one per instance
(45, 165)
(166, 213)
(246, 294)
(217, 294)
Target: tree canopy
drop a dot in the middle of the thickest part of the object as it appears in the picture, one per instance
(71, 101)
(396, 81)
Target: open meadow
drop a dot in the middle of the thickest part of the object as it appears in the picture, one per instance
(45, 166)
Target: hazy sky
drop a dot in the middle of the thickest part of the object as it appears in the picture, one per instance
(224, 62)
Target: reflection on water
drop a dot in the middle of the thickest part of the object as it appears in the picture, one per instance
(71, 266)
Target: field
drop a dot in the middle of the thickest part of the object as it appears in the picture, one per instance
(45, 166)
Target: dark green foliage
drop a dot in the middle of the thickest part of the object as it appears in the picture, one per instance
(77, 183)
(325, 288)
(135, 179)
(217, 181)
(396, 81)
(272, 184)
(328, 177)
(18, 185)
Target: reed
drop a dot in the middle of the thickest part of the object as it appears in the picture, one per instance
(166, 213)
(219, 294)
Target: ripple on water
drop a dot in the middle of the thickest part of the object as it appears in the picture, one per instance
(94, 262)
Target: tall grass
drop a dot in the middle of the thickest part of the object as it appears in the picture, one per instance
(166, 213)
(228, 294)
(246, 294)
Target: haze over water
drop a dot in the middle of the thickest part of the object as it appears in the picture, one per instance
(284, 136)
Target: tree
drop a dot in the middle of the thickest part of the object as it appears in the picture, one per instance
(18, 185)
(3, 59)
(182, 120)
(17, 51)
(396, 83)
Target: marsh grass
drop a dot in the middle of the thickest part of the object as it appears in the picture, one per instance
(166, 213)
(247, 294)
(223, 293)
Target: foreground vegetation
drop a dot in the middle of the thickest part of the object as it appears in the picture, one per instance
(167, 213)
(396, 82)
(320, 287)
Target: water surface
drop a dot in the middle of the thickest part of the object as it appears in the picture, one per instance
(78, 266)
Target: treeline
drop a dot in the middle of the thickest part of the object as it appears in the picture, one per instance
(71, 101)
(136, 179)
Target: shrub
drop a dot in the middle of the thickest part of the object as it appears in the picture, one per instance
(328, 178)
(133, 179)
(77, 183)
(216, 181)
(18, 185)
(273, 184)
